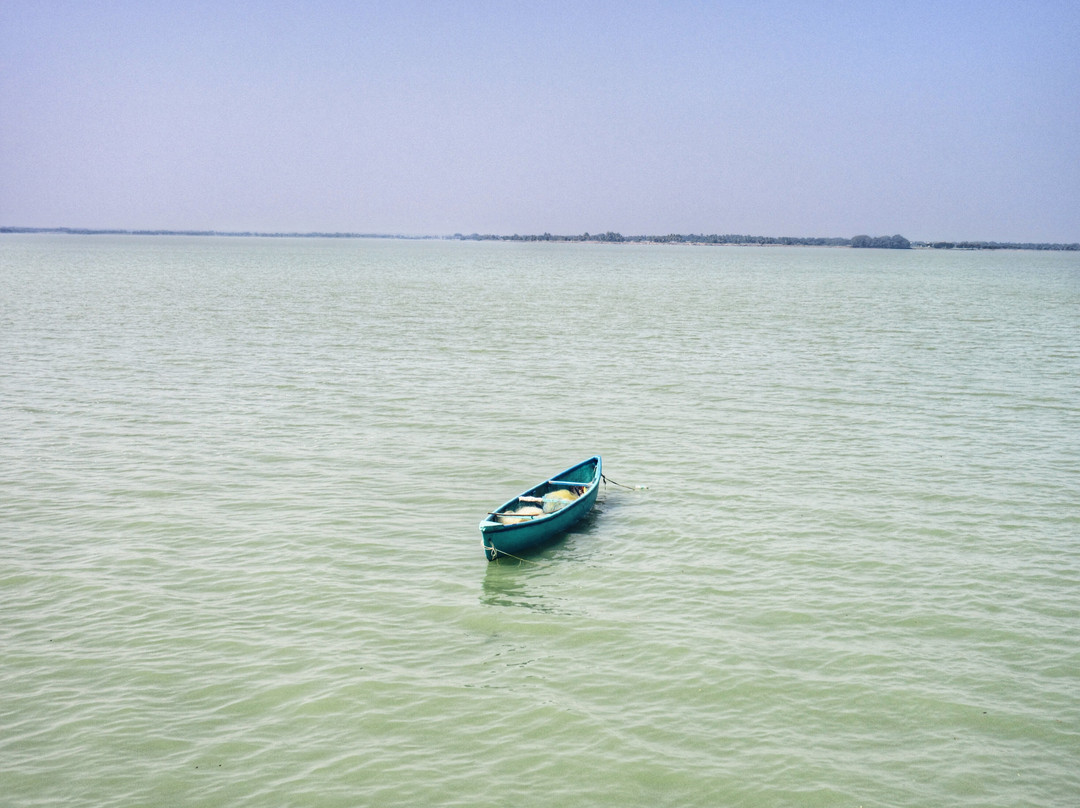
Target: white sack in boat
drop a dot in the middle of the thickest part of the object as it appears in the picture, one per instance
(521, 515)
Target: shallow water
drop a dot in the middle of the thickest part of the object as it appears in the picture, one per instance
(240, 483)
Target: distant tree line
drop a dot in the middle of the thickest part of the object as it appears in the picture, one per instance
(671, 238)
(890, 242)
(882, 242)
(731, 238)
(994, 245)
(84, 231)
(896, 242)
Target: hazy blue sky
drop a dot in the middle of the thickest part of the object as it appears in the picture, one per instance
(957, 120)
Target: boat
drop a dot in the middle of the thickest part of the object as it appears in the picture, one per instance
(538, 516)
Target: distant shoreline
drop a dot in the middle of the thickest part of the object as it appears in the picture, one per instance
(879, 242)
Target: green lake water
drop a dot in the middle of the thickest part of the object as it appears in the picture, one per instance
(241, 478)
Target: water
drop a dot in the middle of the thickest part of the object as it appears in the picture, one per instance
(240, 482)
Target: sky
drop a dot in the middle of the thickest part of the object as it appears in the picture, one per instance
(935, 120)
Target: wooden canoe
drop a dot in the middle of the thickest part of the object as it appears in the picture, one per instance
(538, 516)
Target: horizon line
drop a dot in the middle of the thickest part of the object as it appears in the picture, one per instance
(727, 239)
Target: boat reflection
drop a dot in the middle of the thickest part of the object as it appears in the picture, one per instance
(525, 584)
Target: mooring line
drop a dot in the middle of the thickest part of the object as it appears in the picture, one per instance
(627, 487)
(500, 553)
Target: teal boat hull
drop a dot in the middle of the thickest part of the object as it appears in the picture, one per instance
(516, 540)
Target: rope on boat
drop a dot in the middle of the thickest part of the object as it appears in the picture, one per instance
(627, 487)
